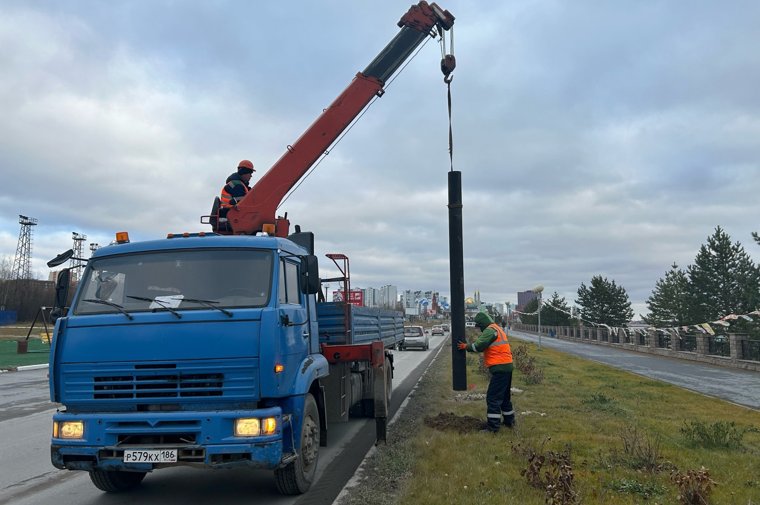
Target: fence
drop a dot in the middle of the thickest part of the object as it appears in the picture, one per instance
(7, 317)
(732, 349)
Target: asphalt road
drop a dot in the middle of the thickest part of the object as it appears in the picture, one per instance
(28, 478)
(737, 386)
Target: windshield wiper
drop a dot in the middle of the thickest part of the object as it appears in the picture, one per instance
(162, 303)
(209, 303)
(110, 304)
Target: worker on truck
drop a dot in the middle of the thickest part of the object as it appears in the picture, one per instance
(236, 186)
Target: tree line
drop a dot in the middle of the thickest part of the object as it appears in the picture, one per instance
(24, 296)
(722, 280)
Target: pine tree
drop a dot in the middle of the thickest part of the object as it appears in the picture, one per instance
(549, 315)
(604, 302)
(530, 307)
(553, 317)
(669, 305)
(723, 280)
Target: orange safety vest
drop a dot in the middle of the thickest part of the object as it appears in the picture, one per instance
(226, 198)
(499, 352)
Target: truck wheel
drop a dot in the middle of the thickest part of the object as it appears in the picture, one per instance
(114, 481)
(368, 404)
(296, 478)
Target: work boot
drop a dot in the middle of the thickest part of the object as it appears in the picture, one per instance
(509, 422)
(487, 428)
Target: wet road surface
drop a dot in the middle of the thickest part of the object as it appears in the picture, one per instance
(737, 386)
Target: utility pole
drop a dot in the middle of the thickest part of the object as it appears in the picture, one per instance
(538, 290)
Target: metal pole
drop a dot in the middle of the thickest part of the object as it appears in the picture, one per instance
(456, 272)
(539, 319)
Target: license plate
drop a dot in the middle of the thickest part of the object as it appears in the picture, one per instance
(150, 456)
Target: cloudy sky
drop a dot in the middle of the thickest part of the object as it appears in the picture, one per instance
(594, 138)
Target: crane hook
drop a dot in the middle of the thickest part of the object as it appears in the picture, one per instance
(448, 64)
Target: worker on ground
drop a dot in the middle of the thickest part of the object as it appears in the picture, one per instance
(493, 342)
(237, 186)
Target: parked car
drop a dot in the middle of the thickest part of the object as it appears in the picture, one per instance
(438, 330)
(414, 336)
(446, 328)
(469, 324)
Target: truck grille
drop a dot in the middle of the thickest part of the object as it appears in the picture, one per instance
(171, 385)
(160, 386)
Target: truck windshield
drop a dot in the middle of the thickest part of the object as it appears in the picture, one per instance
(176, 280)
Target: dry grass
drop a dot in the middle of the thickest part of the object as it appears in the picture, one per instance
(623, 433)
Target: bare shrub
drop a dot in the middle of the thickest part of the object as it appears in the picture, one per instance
(526, 364)
(640, 452)
(694, 486)
(551, 471)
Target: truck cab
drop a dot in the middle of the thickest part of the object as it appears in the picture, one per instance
(200, 350)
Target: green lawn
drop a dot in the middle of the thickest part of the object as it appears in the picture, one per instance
(586, 430)
(36, 354)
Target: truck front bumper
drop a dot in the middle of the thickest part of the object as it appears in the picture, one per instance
(204, 439)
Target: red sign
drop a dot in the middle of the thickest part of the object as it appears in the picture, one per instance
(356, 297)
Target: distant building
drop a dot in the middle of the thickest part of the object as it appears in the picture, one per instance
(524, 298)
(388, 297)
(371, 297)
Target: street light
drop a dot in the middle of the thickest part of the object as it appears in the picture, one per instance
(538, 289)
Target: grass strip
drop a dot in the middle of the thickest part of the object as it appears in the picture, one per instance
(609, 436)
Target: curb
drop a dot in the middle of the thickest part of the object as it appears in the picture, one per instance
(24, 368)
(32, 367)
(358, 474)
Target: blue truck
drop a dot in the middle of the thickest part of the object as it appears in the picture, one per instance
(211, 351)
(217, 349)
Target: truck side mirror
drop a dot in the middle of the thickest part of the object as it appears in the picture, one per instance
(310, 282)
(61, 258)
(61, 294)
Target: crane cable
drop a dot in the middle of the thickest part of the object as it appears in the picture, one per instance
(448, 64)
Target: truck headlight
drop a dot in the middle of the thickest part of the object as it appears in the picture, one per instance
(68, 429)
(247, 427)
(253, 427)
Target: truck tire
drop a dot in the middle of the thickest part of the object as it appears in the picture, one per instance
(114, 481)
(296, 477)
(368, 404)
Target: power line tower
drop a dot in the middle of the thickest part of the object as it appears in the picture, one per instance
(76, 260)
(22, 262)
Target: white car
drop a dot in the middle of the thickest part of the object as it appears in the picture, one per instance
(469, 324)
(415, 336)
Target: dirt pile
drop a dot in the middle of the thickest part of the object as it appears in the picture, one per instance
(448, 421)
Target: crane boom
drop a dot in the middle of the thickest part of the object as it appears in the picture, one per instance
(259, 206)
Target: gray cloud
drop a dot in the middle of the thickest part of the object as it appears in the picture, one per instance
(592, 139)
